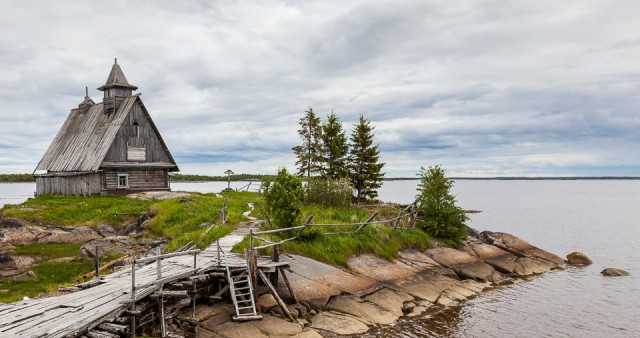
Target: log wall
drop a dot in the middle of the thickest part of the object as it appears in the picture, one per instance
(138, 179)
(83, 184)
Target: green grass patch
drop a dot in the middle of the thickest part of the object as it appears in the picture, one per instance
(187, 220)
(72, 211)
(336, 250)
(50, 275)
(47, 251)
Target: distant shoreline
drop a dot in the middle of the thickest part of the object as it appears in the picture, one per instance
(525, 178)
(506, 178)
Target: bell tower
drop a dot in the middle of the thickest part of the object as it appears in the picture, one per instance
(115, 89)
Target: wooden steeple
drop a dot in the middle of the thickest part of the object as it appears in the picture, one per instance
(115, 89)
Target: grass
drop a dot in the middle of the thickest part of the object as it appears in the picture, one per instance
(336, 250)
(73, 211)
(181, 222)
(47, 251)
(49, 275)
(185, 222)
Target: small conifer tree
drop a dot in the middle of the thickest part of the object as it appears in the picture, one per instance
(438, 213)
(365, 172)
(335, 147)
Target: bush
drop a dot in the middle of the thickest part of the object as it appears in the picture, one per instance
(438, 213)
(329, 192)
(283, 199)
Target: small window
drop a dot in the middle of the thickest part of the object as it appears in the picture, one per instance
(137, 127)
(123, 180)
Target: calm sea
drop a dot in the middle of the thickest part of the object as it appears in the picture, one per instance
(600, 218)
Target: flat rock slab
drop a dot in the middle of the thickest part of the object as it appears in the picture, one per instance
(464, 264)
(338, 323)
(390, 300)
(315, 282)
(519, 247)
(501, 260)
(378, 268)
(366, 312)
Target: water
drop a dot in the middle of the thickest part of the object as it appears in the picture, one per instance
(599, 218)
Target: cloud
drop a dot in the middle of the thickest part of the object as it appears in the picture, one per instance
(484, 88)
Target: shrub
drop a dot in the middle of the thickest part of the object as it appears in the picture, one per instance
(438, 213)
(283, 199)
(329, 192)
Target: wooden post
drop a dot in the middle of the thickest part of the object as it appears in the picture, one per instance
(97, 256)
(250, 239)
(158, 262)
(282, 305)
(195, 261)
(286, 282)
(162, 326)
(224, 211)
(253, 270)
(218, 245)
(367, 221)
(193, 313)
(395, 224)
(275, 257)
(133, 297)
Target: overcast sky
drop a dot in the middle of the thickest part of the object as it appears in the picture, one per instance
(483, 88)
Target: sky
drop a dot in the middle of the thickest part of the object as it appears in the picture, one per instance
(482, 88)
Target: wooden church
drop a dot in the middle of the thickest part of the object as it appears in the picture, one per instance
(111, 147)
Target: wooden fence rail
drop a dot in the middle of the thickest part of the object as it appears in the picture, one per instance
(409, 212)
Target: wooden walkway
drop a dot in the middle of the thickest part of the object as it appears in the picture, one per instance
(73, 314)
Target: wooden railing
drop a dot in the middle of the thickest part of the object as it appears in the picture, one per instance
(409, 212)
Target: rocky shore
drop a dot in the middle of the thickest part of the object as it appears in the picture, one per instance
(336, 302)
(332, 301)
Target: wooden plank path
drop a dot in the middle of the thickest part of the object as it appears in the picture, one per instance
(74, 313)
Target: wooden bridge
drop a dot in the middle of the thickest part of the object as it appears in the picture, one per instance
(116, 305)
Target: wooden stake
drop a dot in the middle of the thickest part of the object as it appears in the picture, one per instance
(282, 305)
(286, 281)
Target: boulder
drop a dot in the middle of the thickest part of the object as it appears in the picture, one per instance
(614, 272)
(578, 258)
(25, 276)
(464, 264)
(8, 266)
(23, 262)
(105, 230)
(6, 246)
(107, 246)
(520, 248)
(501, 260)
(67, 235)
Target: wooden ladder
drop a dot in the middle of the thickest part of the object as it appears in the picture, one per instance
(241, 290)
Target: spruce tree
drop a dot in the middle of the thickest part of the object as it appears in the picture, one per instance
(309, 153)
(336, 148)
(438, 213)
(364, 170)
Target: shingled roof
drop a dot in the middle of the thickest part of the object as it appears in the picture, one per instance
(117, 79)
(84, 139)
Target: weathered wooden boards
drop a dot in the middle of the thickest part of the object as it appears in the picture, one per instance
(75, 314)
